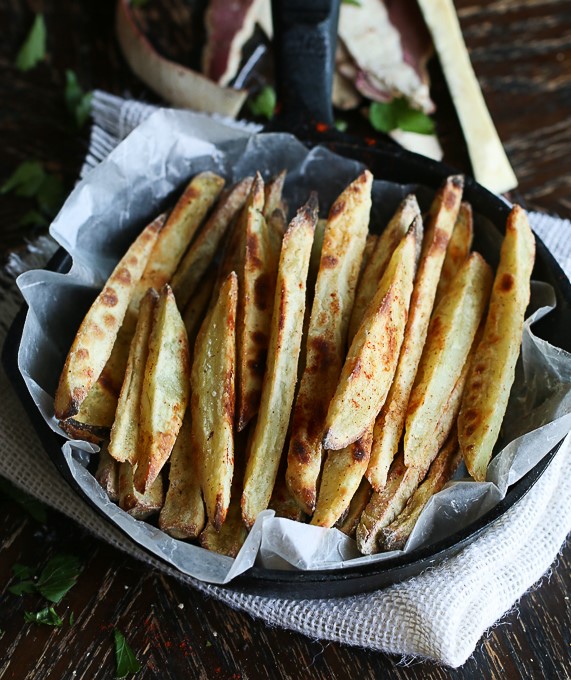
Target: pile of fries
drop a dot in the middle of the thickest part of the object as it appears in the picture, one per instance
(402, 347)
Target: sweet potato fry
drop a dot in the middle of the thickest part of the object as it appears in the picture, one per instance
(165, 391)
(182, 515)
(125, 431)
(450, 337)
(201, 253)
(458, 249)
(493, 365)
(342, 473)
(390, 421)
(380, 258)
(373, 356)
(283, 353)
(94, 341)
(395, 536)
(341, 254)
(256, 293)
(180, 227)
(212, 401)
(139, 505)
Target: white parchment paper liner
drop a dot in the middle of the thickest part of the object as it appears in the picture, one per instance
(110, 206)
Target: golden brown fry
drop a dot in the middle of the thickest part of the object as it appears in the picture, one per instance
(255, 296)
(276, 226)
(273, 195)
(390, 421)
(458, 249)
(212, 401)
(348, 523)
(342, 474)
(201, 253)
(125, 431)
(450, 336)
(107, 474)
(196, 309)
(94, 341)
(493, 366)
(180, 227)
(231, 536)
(386, 504)
(95, 416)
(380, 258)
(341, 254)
(283, 353)
(395, 536)
(139, 505)
(165, 391)
(282, 502)
(373, 356)
(182, 515)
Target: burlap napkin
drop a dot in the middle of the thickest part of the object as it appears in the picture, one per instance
(440, 614)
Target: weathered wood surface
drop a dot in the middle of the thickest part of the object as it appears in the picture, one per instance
(522, 55)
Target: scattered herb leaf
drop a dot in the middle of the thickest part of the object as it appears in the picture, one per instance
(22, 570)
(71, 619)
(356, 3)
(30, 505)
(22, 588)
(208, 643)
(47, 616)
(399, 114)
(77, 101)
(50, 195)
(58, 577)
(33, 217)
(34, 48)
(125, 658)
(264, 103)
(26, 180)
(341, 125)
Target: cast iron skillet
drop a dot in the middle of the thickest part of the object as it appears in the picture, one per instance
(305, 43)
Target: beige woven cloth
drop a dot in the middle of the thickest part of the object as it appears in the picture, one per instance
(440, 614)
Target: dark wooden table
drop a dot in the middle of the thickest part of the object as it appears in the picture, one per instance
(522, 56)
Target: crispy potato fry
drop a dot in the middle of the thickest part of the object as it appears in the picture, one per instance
(343, 245)
(283, 353)
(380, 258)
(390, 421)
(94, 341)
(139, 505)
(180, 227)
(342, 474)
(107, 474)
(373, 356)
(458, 249)
(277, 226)
(395, 536)
(201, 253)
(315, 258)
(212, 401)
(165, 391)
(282, 502)
(450, 336)
(231, 536)
(255, 296)
(124, 438)
(273, 195)
(196, 309)
(348, 523)
(493, 365)
(182, 515)
(386, 504)
(95, 416)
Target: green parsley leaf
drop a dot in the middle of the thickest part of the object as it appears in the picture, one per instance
(25, 180)
(58, 577)
(399, 114)
(51, 195)
(125, 658)
(341, 125)
(29, 504)
(47, 616)
(356, 3)
(77, 101)
(71, 619)
(34, 48)
(34, 218)
(22, 588)
(264, 103)
(22, 571)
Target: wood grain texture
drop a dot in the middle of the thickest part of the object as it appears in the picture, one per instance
(522, 56)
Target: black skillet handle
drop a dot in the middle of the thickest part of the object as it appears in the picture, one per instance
(305, 36)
